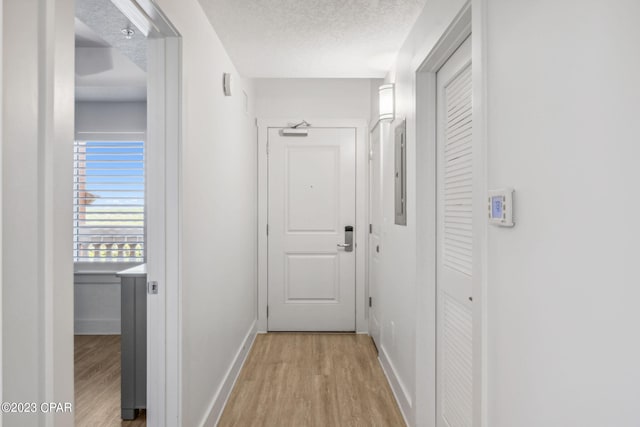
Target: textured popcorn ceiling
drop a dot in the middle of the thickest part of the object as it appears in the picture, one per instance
(107, 22)
(312, 38)
(103, 73)
(109, 67)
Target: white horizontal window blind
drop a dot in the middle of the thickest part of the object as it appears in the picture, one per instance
(109, 201)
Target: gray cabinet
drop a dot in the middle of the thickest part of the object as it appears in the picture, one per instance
(133, 341)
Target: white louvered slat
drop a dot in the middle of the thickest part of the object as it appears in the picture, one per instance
(459, 138)
(458, 164)
(458, 183)
(456, 92)
(458, 112)
(457, 355)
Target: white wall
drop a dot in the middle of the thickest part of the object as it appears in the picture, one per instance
(563, 96)
(560, 287)
(218, 206)
(109, 117)
(402, 303)
(37, 168)
(312, 98)
(219, 196)
(97, 297)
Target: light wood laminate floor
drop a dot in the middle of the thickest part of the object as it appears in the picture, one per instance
(97, 382)
(309, 380)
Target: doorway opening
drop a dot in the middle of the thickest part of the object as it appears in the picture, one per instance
(126, 213)
(312, 254)
(109, 216)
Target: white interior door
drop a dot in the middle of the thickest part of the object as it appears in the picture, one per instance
(455, 241)
(375, 219)
(312, 189)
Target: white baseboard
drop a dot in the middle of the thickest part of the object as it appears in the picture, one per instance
(220, 399)
(97, 326)
(397, 387)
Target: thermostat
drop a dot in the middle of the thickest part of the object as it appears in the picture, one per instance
(500, 206)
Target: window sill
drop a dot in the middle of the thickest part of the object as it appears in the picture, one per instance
(102, 268)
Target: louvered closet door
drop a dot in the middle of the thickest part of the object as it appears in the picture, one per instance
(455, 238)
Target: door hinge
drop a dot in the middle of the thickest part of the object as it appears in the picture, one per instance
(152, 288)
(267, 229)
(370, 228)
(267, 311)
(370, 302)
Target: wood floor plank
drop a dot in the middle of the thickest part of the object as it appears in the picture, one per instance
(311, 380)
(97, 383)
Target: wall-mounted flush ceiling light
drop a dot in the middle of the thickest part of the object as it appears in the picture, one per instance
(387, 101)
(136, 15)
(127, 33)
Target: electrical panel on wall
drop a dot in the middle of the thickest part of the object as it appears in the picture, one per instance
(400, 173)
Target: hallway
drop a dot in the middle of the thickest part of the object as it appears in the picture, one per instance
(429, 175)
(294, 379)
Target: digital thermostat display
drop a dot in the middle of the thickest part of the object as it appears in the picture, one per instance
(500, 207)
(496, 207)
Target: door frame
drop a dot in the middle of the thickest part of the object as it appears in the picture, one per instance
(164, 180)
(426, 211)
(362, 211)
(373, 186)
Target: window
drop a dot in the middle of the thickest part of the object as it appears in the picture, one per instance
(108, 201)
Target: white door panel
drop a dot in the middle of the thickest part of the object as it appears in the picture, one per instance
(311, 201)
(454, 241)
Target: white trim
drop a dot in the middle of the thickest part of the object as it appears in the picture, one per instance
(164, 148)
(41, 124)
(375, 125)
(96, 327)
(173, 345)
(425, 250)
(397, 387)
(216, 407)
(371, 186)
(263, 214)
(362, 211)
(56, 118)
(426, 351)
(156, 239)
(481, 226)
